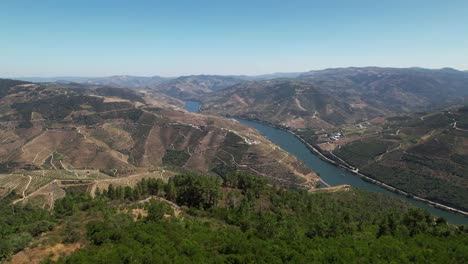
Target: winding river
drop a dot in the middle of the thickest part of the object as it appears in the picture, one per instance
(331, 174)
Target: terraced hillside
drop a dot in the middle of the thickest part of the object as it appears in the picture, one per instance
(426, 155)
(394, 89)
(333, 97)
(289, 103)
(121, 133)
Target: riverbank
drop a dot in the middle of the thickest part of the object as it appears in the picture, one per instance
(356, 171)
(337, 174)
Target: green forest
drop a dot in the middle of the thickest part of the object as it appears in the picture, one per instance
(237, 218)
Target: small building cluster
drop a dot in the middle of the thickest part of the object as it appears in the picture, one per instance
(250, 141)
(335, 136)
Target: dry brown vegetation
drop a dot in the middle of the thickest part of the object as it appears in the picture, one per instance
(38, 254)
(50, 135)
(121, 137)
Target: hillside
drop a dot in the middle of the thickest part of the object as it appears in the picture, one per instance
(288, 102)
(340, 96)
(424, 154)
(204, 83)
(395, 89)
(73, 132)
(195, 86)
(120, 81)
(125, 81)
(234, 219)
(348, 111)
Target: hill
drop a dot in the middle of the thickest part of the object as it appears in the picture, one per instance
(238, 218)
(271, 76)
(195, 86)
(77, 130)
(395, 89)
(423, 154)
(126, 81)
(114, 169)
(348, 112)
(288, 102)
(334, 97)
(120, 81)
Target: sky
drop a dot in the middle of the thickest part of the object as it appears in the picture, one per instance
(170, 38)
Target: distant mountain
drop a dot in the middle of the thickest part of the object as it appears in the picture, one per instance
(395, 89)
(288, 102)
(126, 81)
(270, 76)
(342, 95)
(389, 89)
(120, 81)
(53, 79)
(6, 84)
(195, 86)
(185, 87)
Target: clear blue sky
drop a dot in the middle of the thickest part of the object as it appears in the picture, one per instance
(168, 38)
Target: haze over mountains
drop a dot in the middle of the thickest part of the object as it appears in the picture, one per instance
(399, 87)
(317, 98)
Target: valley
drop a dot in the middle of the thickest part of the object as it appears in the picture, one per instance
(78, 136)
(337, 112)
(334, 175)
(233, 132)
(67, 144)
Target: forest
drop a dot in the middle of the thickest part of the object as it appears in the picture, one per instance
(237, 218)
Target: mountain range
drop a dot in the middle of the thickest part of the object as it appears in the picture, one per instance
(333, 109)
(400, 126)
(343, 95)
(51, 132)
(115, 168)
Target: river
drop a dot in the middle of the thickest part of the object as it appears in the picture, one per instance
(331, 174)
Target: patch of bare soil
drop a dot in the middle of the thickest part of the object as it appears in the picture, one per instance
(205, 151)
(131, 180)
(377, 120)
(137, 212)
(327, 146)
(175, 208)
(346, 140)
(359, 106)
(38, 254)
(298, 122)
(339, 188)
(41, 147)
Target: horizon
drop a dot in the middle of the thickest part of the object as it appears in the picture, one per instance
(227, 75)
(113, 38)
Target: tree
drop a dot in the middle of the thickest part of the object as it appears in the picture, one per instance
(416, 220)
(111, 192)
(156, 210)
(170, 190)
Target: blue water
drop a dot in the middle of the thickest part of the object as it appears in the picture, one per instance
(329, 173)
(192, 106)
